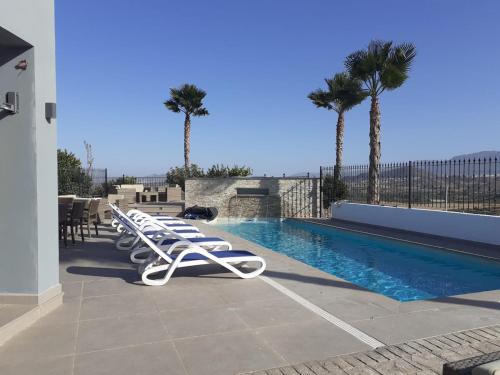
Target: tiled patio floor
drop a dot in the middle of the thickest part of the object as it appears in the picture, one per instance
(211, 323)
(208, 322)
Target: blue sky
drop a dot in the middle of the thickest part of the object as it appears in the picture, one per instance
(258, 60)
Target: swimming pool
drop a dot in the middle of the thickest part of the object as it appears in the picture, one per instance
(399, 270)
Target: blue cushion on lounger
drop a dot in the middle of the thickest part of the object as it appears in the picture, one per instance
(219, 254)
(151, 232)
(170, 241)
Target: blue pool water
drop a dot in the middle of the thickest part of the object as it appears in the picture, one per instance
(400, 270)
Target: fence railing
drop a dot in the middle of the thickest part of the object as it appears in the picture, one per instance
(96, 182)
(301, 200)
(470, 185)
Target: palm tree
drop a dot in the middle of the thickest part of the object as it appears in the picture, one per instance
(381, 66)
(187, 99)
(344, 92)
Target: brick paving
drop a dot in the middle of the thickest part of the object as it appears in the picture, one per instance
(422, 356)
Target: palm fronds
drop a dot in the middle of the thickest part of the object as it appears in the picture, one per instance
(187, 99)
(344, 92)
(382, 65)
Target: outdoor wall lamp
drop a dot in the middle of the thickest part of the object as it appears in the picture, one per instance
(11, 104)
(22, 65)
(50, 111)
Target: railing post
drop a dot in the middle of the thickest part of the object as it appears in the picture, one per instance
(106, 187)
(495, 193)
(409, 184)
(320, 193)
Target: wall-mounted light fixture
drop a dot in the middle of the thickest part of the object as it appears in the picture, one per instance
(11, 104)
(50, 111)
(22, 65)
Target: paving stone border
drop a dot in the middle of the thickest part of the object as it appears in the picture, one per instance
(423, 356)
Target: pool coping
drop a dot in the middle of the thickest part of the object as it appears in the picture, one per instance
(470, 248)
(401, 321)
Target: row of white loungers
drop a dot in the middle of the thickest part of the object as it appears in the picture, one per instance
(159, 229)
(135, 221)
(170, 249)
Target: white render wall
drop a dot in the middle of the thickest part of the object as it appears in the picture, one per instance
(29, 246)
(470, 227)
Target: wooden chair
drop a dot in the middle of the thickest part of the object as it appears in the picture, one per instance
(66, 199)
(92, 216)
(76, 219)
(63, 223)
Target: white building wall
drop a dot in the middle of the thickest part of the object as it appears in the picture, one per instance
(470, 227)
(28, 160)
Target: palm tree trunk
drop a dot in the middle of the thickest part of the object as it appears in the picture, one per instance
(373, 171)
(339, 147)
(187, 141)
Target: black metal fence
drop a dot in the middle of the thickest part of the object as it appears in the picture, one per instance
(471, 185)
(97, 183)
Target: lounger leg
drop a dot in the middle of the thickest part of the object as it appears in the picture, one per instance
(126, 242)
(139, 260)
(154, 270)
(88, 229)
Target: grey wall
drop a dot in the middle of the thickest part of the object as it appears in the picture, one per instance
(288, 197)
(28, 164)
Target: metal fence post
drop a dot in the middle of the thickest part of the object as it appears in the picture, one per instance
(409, 184)
(106, 187)
(320, 192)
(495, 193)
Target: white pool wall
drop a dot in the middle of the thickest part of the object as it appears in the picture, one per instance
(463, 226)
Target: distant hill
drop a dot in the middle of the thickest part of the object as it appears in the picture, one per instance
(398, 171)
(466, 164)
(304, 174)
(478, 155)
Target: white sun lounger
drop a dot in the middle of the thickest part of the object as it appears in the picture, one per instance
(140, 218)
(171, 238)
(193, 255)
(171, 245)
(151, 227)
(137, 215)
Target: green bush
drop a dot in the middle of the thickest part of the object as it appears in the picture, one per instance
(177, 175)
(221, 170)
(71, 178)
(333, 190)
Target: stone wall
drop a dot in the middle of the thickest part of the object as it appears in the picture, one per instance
(288, 197)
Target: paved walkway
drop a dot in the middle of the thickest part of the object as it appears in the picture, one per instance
(203, 321)
(423, 356)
